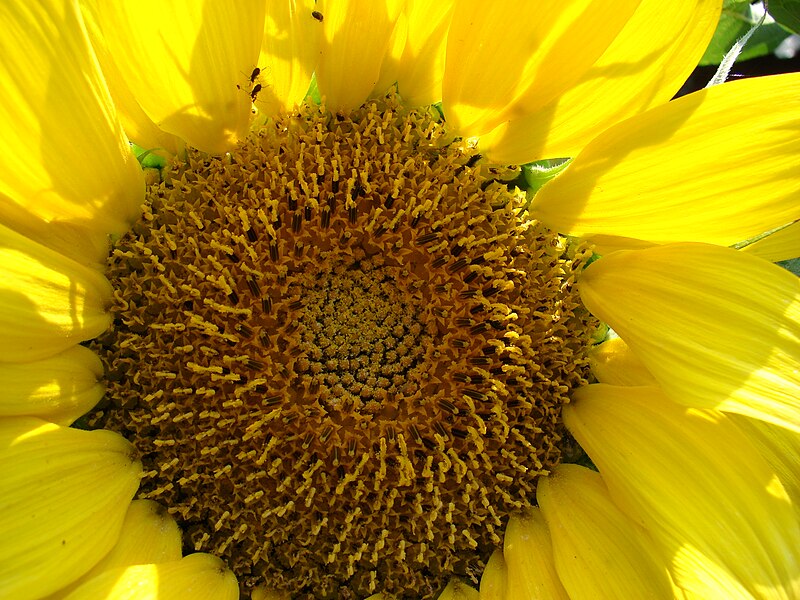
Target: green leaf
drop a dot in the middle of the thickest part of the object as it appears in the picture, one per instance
(737, 18)
(764, 41)
(787, 13)
(735, 5)
(793, 265)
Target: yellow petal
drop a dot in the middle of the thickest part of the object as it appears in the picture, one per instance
(138, 126)
(606, 244)
(422, 65)
(63, 497)
(458, 590)
(643, 67)
(598, 551)
(695, 169)
(68, 177)
(781, 449)
(195, 577)
(504, 62)
(60, 388)
(494, 580)
(48, 303)
(613, 362)
(356, 37)
(781, 245)
(289, 55)
(148, 535)
(700, 489)
(183, 62)
(528, 555)
(716, 328)
(390, 67)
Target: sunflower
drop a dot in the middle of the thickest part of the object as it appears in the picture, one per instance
(331, 347)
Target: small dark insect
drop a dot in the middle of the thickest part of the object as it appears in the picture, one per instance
(254, 75)
(473, 160)
(317, 15)
(254, 91)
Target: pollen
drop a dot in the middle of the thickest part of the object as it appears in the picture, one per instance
(342, 351)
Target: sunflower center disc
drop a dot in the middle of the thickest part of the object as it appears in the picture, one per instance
(342, 350)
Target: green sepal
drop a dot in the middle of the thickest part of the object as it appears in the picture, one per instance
(313, 91)
(540, 172)
(148, 159)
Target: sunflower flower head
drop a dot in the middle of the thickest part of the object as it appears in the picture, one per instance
(350, 333)
(348, 338)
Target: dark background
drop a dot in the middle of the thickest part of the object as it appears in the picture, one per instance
(767, 65)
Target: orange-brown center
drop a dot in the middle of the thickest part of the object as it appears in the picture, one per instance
(342, 351)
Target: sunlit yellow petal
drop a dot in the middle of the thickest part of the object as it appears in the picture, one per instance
(613, 362)
(390, 67)
(701, 490)
(644, 66)
(197, 576)
(68, 176)
(422, 66)
(148, 535)
(528, 553)
(356, 37)
(63, 498)
(598, 551)
(506, 60)
(289, 55)
(716, 328)
(691, 170)
(138, 126)
(60, 388)
(458, 590)
(494, 580)
(606, 244)
(781, 245)
(781, 449)
(48, 302)
(183, 62)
